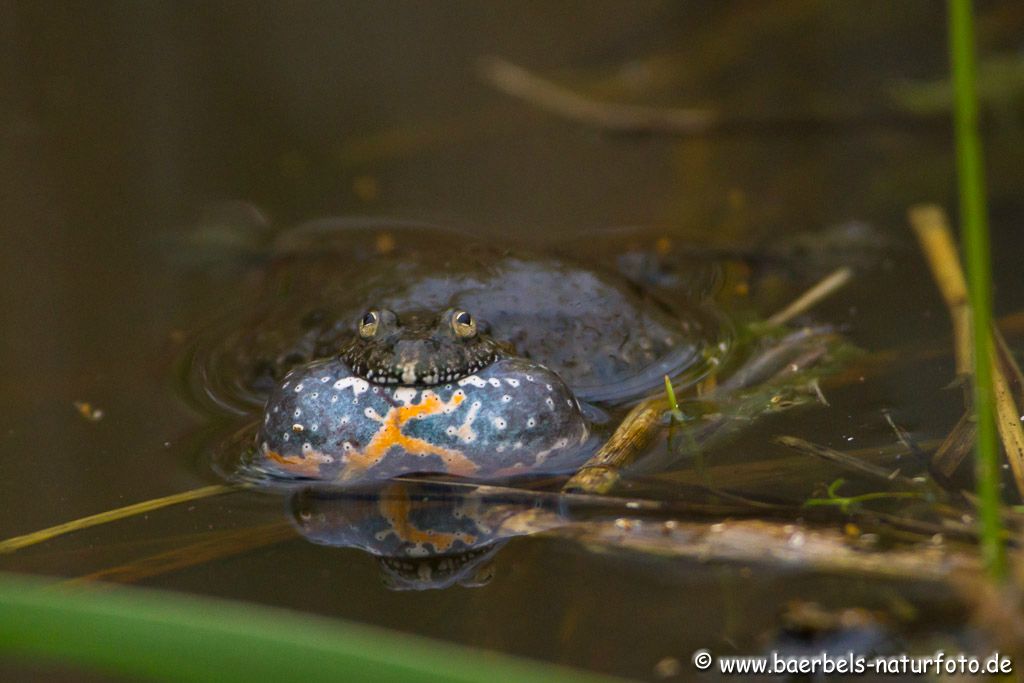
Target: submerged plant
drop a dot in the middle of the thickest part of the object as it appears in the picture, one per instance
(844, 503)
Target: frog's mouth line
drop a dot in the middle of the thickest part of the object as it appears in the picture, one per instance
(437, 571)
(417, 373)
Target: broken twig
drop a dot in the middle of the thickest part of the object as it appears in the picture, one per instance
(849, 462)
(812, 296)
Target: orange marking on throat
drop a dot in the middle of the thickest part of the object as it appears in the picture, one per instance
(390, 435)
(308, 466)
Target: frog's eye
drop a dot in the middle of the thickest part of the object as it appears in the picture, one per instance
(368, 324)
(463, 324)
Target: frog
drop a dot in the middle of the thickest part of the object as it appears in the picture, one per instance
(444, 353)
(420, 393)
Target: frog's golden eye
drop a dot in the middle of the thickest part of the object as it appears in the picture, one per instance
(463, 324)
(368, 324)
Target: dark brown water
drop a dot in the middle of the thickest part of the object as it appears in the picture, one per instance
(121, 124)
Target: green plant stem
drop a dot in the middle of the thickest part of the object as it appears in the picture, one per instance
(147, 634)
(974, 227)
(846, 502)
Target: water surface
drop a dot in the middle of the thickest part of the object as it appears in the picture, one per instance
(124, 126)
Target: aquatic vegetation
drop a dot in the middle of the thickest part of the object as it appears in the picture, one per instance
(974, 222)
(844, 503)
(153, 635)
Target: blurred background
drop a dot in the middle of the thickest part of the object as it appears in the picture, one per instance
(131, 131)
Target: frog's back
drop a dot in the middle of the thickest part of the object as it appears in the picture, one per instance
(606, 337)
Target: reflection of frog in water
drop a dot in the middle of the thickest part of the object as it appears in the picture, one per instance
(425, 535)
(480, 372)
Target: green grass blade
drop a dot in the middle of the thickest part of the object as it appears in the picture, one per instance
(974, 227)
(153, 635)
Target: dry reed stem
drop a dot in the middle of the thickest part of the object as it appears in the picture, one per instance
(812, 296)
(775, 544)
(849, 462)
(932, 227)
(601, 472)
(1008, 423)
(520, 83)
(217, 545)
(18, 542)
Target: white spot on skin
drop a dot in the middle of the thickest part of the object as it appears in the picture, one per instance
(358, 384)
(506, 398)
(531, 422)
(465, 430)
(298, 387)
(499, 423)
(334, 399)
(409, 373)
(514, 383)
(550, 403)
(298, 412)
(325, 379)
(405, 395)
(494, 382)
(473, 380)
(286, 437)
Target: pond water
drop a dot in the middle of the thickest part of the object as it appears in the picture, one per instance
(144, 148)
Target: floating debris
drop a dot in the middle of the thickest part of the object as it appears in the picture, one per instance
(88, 411)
